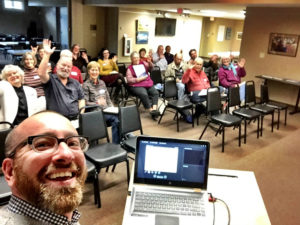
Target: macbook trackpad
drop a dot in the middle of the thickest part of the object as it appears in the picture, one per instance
(166, 220)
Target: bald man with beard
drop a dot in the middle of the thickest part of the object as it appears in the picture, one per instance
(45, 169)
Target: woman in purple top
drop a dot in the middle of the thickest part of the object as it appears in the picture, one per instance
(141, 85)
(230, 74)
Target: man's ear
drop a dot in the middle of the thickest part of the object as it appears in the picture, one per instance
(7, 169)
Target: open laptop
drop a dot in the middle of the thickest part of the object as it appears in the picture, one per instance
(170, 179)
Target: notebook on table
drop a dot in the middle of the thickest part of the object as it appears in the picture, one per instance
(170, 181)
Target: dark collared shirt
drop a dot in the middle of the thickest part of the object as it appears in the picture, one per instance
(61, 98)
(20, 207)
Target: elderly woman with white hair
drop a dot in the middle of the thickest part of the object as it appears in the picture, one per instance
(230, 74)
(17, 101)
(196, 80)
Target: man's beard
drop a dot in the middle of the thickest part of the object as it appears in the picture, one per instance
(59, 200)
(62, 74)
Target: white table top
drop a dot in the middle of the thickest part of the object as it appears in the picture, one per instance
(238, 189)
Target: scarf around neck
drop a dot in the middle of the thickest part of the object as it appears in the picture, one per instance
(230, 67)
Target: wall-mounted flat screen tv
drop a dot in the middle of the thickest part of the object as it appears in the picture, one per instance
(165, 27)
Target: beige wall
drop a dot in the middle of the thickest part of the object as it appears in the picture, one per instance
(82, 17)
(187, 35)
(259, 23)
(209, 41)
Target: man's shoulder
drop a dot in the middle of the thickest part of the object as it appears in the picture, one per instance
(9, 218)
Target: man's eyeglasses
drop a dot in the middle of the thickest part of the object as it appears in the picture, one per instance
(42, 143)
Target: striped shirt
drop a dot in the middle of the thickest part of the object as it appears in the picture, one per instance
(32, 79)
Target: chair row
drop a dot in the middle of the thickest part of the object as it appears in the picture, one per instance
(250, 112)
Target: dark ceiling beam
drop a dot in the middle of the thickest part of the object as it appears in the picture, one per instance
(254, 2)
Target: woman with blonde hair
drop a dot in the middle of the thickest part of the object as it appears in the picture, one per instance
(96, 94)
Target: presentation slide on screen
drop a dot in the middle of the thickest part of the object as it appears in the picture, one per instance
(161, 159)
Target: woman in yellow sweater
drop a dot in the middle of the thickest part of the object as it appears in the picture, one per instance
(109, 72)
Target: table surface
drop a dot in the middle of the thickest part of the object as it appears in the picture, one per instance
(238, 189)
(279, 79)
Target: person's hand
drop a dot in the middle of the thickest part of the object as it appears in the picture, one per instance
(214, 58)
(34, 49)
(142, 78)
(242, 62)
(101, 101)
(84, 56)
(149, 59)
(178, 80)
(47, 47)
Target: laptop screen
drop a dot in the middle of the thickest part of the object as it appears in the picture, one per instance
(171, 162)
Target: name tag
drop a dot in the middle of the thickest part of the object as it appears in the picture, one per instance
(36, 77)
(74, 73)
(101, 91)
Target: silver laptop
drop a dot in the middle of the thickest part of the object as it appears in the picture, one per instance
(170, 180)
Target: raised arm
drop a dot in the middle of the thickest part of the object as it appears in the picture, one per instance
(186, 76)
(43, 67)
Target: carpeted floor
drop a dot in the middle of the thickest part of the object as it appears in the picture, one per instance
(275, 159)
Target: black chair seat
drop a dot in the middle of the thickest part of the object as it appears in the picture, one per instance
(5, 191)
(226, 120)
(246, 113)
(262, 108)
(90, 166)
(130, 144)
(180, 104)
(277, 105)
(106, 154)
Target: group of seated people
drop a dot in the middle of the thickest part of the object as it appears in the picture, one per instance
(191, 76)
(25, 92)
(42, 85)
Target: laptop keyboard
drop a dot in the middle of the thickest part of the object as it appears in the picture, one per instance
(168, 203)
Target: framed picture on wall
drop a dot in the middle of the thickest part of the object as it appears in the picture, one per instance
(142, 37)
(239, 35)
(283, 44)
(127, 46)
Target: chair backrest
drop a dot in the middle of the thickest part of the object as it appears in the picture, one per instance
(264, 93)
(233, 96)
(170, 88)
(122, 68)
(93, 126)
(130, 120)
(213, 99)
(155, 75)
(3, 134)
(250, 92)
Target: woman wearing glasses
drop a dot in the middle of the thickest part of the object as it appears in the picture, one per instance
(17, 101)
